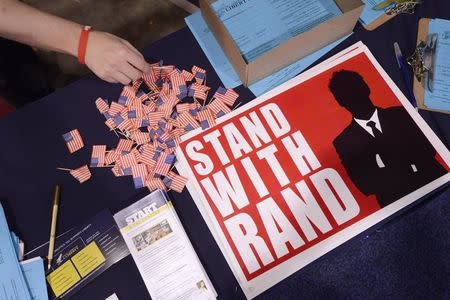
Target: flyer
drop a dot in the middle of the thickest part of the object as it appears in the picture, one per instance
(162, 251)
(296, 172)
(83, 253)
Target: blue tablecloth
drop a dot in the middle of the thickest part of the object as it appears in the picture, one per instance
(406, 257)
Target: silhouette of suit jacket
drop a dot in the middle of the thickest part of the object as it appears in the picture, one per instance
(393, 165)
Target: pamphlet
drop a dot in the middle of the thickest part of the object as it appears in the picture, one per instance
(162, 251)
(82, 254)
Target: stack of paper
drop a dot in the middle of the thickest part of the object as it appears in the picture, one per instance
(25, 280)
(259, 26)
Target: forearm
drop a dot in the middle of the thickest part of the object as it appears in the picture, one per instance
(28, 25)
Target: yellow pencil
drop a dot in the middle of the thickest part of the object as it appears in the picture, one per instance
(51, 243)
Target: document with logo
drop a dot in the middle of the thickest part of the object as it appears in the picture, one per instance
(83, 254)
(162, 251)
(259, 26)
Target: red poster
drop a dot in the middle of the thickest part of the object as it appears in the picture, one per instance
(305, 167)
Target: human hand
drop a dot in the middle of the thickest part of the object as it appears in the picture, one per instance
(114, 59)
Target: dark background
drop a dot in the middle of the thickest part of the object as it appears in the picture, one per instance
(405, 257)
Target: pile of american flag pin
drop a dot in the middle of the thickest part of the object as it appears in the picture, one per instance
(149, 118)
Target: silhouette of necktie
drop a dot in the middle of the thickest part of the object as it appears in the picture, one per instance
(375, 130)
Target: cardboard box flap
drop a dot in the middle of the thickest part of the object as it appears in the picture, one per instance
(302, 45)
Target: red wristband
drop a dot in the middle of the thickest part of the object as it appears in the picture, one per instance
(82, 44)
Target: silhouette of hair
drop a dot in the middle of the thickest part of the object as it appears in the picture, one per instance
(347, 87)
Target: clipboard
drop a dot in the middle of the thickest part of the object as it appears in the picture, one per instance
(379, 21)
(418, 87)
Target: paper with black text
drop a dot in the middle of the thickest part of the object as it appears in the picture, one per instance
(162, 251)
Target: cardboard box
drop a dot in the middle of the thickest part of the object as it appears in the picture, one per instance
(288, 52)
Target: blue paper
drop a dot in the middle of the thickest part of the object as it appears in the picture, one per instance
(225, 70)
(12, 281)
(212, 50)
(34, 272)
(440, 97)
(368, 14)
(258, 26)
(16, 242)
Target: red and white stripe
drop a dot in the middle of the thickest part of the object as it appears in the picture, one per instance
(98, 152)
(154, 184)
(81, 174)
(178, 181)
(139, 170)
(217, 106)
(229, 98)
(124, 145)
(185, 119)
(112, 156)
(150, 79)
(207, 115)
(188, 76)
(162, 168)
(128, 160)
(101, 105)
(115, 108)
(154, 117)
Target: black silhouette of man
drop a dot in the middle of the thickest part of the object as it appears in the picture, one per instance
(384, 152)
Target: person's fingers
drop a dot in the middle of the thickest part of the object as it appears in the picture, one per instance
(131, 47)
(109, 79)
(130, 71)
(122, 78)
(136, 59)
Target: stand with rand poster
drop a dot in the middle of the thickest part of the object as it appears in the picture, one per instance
(307, 166)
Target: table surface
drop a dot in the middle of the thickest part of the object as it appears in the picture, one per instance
(406, 256)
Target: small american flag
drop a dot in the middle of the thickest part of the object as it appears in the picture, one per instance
(123, 124)
(150, 80)
(98, 156)
(117, 170)
(154, 117)
(188, 76)
(187, 122)
(110, 123)
(140, 137)
(124, 146)
(126, 96)
(199, 74)
(128, 160)
(112, 156)
(81, 174)
(206, 118)
(175, 182)
(136, 84)
(177, 80)
(228, 96)
(147, 156)
(139, 173)
(73, 140)
(218, 108)
(164, 164)
(115, 108)
(154, 184)
(101, 105)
